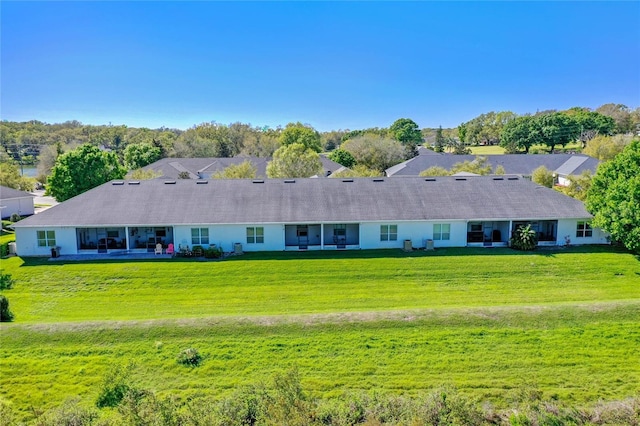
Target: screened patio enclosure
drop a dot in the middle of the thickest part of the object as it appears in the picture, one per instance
(104, 240)
(322, 236)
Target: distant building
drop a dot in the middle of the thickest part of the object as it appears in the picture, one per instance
(204, 168)
(563, 165)
(13, 201)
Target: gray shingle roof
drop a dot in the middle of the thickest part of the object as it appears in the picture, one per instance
(154, 202)
(9, 193)
(520, 164)
(204, 168)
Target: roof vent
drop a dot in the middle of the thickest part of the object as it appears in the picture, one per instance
(169, 182)
(430, 180)
(202, 182)
(347, 180)
(290, 181)
(134, 182)
(512, 178)
(498, 178)
(117, 182)
(461, 178)
(378, 180)
(258, 181)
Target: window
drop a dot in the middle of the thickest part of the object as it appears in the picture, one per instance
(46, 238)
(584, 229)
(199, 236)
(388, 232)
(441, 231)
(339, 230)
(255, 235)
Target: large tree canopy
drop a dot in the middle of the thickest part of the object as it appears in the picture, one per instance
(138, 155)
(294, 161)
(82, 169)
(301, 134)
(375, 152)
(614, 197)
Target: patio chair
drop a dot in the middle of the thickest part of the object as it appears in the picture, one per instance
(158, 249)
(170, 249)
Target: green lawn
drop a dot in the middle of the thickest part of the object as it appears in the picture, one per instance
(487, 150)
(485, 320)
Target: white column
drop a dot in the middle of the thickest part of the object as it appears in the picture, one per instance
(322, 236)
(127, 236)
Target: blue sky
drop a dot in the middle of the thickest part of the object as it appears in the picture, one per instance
(344, 65)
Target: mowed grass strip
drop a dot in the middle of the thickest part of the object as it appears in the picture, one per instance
(576, 354)
(321, 282)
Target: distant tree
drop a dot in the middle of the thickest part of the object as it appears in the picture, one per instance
(456, 147)
(357, 171)
(244, 170)
(440, 141)
(614, 197)
(82, 169)
(543, 176)
(140, 155)
(520, 133)
(143, 174)
(10, 174)
(621, 114)
(462, 132)
(375, 152)
(499, 170)
(435, 171)
(184, 175)
(261, 143)
(558, 128)
(604, 148)
(298, 133)
(332, 140)
(293, 161)
(407, 132)
(485, 129)
(591, 123)
(479, 166)
(342, 157)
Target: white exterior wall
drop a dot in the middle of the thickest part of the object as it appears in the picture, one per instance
(225, 236)
(569, 227)
(22, 206)
(417, 232)
(27, 241)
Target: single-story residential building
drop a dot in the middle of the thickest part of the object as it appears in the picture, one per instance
(306, 214)
(205, 168)
(13, 201)
(562, 165)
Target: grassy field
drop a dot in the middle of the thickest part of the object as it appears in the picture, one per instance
(486, 321)
(487, 150)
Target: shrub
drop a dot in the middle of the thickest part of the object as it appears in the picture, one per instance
(115, 386)
(524, 238)
(5, 314)
(190, 357)
(213, 253)
(4, 249)
(15, 217)
(71, 413)
(6, 282)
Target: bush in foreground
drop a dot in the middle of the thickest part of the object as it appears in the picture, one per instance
(284, 401)
(5, 314)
